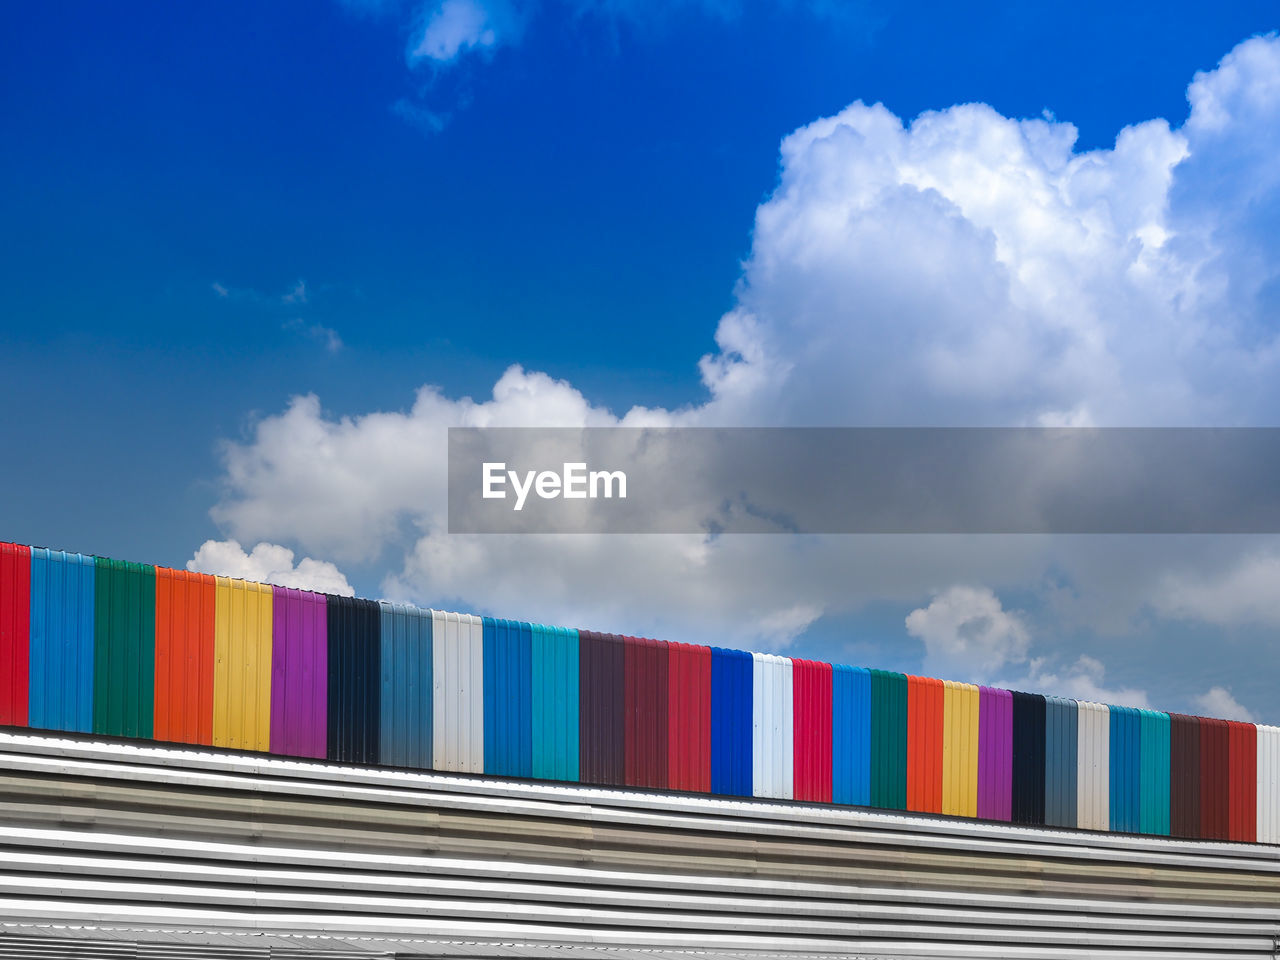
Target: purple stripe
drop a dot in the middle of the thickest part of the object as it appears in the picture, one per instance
(299, 672)
(995, 754)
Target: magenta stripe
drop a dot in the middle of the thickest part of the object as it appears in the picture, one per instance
(995, 754)
(299, 672)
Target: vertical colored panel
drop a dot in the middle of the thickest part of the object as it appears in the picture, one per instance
(602, 695)
(242, 665)
(299, 673)
(61, 679)
(772, 728)
(888, 740)
(404, 695)
(731, 722)
(995, 754)
(1093, 768)
(1184, 776)
(508, 697)
(185, 629)
(925, 709)
(1214, 780)
(124, 633)
(353, 681)
(555, 702)
(1153, 786)
(1268, 784)
(457, 700)
(689, 718)
(850, 735)
(646, 681)
(1028, 758)
(15, 633)
(960, 736)
(1061, 762)
(1242, 797)
(1125, 770)
(811, 727)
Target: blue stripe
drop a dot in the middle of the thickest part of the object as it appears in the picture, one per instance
(507, 697)
(405, 704)
(1124, 770)
(62, 657)
(731, 720)
(850, 735)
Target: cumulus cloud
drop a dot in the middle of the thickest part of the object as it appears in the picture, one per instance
(967, 633)
(960, 268)
(269, 563)
(1218, 702)
(1084, 679)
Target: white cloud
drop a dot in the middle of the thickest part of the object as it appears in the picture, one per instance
(967, 633)
(963, 268)
(1218, 702)
(1245, 592)
(454, 27)
(269, 563)
(1082, 680)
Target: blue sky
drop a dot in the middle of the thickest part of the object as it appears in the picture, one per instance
(212, 209)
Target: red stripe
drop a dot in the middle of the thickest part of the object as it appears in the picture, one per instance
(15, 633)
(1242, 750)
(1215, 776)
(689, 713)
(811, 730)
(646, 685)
(925, 704)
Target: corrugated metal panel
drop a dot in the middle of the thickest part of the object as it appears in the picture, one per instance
(457, 698)
(508, 697)
(689, 723)
(602, 694)
(1153, 788)
(555, 702)
(851, 735)
(811, 729)
(646, 683)
(185, 628)
(731, 722)
(1061, 761)
(299, 673)
(1184, 776)
(1242, 799)
(888, 740)
(1028, 758)
(242, 665)
(354, 678)
(1125, 769)
(198, 841)
(961, 711)
(925, 709)
(1093, 771)
(15, 633)
(1268, 784)
(61, 685)
(124, 648)
(773, 771)
(995, 753)
(1214, 779)
(404, 707)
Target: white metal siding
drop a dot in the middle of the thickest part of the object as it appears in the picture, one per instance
(1268, 784)
(457, 661)
(1093, 774)
(772, 754)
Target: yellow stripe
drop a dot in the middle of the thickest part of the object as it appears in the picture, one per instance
(242, 665)
(960, 750)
